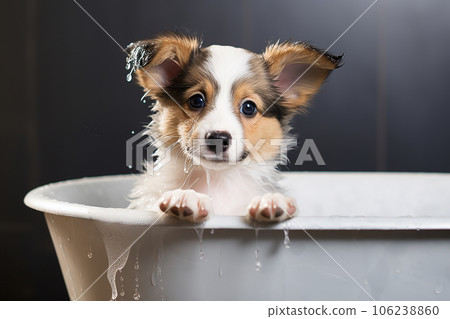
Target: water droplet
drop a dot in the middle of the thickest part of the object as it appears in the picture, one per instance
(90, 246)
(287, 241)
(220, 271)
(137, 58)
(121, 291)
(199, 230)
(154, 277)
(186, 170)
(132, 132)
(397, 271)
(258, 263)
(212, 231)
(136, 295)
(129, 77)
(202, 254)
(438, 289)
(366, 282)
(143, 97)
(418, 229)
(129, 166)
(136, 265)
(68, 239)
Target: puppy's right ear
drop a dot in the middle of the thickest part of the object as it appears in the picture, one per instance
(298, 70)
(158, 61)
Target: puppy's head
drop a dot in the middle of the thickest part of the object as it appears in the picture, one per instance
(222, 104)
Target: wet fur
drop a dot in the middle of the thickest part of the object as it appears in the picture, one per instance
(177, 67)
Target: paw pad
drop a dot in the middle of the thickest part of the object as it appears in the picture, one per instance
(272, 208)
(186, 205)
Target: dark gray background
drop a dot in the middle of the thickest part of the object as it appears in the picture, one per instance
(66, 109)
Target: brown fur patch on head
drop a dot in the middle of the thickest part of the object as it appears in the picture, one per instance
(167, 55)
(194, 79)
(260, 81)
(244, 90)
(258, 87)
(298, 70)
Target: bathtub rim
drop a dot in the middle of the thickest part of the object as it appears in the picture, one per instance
(39, 200)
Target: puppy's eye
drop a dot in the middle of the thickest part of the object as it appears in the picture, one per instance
(248, 108)
(197, 101)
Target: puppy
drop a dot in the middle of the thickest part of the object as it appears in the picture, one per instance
(220, 124)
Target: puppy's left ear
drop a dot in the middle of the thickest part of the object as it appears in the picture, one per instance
(298, 70)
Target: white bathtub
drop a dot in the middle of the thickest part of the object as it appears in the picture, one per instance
(359, 236)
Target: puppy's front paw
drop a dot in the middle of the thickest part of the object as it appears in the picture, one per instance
(186, 205)
(274, 207)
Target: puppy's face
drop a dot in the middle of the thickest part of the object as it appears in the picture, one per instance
(220, 104)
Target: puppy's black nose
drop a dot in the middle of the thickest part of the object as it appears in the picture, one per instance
(218, 141)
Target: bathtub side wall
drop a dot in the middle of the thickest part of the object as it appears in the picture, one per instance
(166, 264)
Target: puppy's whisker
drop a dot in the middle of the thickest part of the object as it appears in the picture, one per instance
(171, 146)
